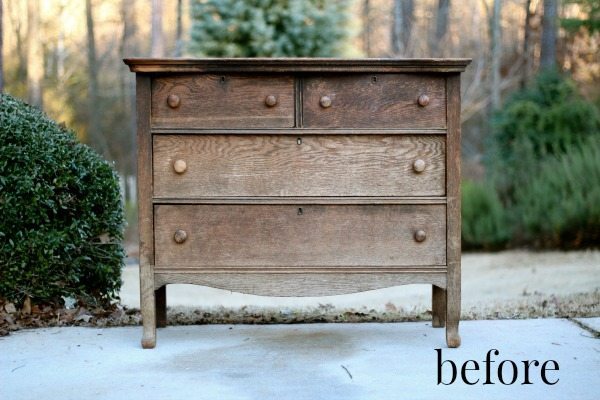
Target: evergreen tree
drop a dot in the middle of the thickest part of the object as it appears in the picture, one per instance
(268, 28)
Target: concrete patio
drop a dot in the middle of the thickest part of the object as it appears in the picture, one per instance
(317, 361)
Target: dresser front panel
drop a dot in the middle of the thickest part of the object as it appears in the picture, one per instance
(286, 165)
(251, 236)
(374, 101)
(223, 101)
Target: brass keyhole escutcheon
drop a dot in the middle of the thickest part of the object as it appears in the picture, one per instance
(299, 141)
(180, 236)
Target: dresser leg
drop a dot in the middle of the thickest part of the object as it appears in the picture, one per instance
(453, 306)
(147, 305)
(160, 295)
(438, 306)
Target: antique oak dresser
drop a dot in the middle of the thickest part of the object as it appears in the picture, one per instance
(299, 177)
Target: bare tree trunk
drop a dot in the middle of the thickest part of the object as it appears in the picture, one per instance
(402, 26)
(366, 17)
(95, 133)
(496, 54)
(128, 48)
(179, 30)
(441, 26)
(548, 48)
(526, 45)
(158, 43)
(1, 48)
(35, 57)
(13, 12)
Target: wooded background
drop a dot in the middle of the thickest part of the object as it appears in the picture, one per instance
(65, 56)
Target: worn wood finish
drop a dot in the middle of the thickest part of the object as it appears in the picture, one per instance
(288, 65)
(438, 309)
(301, 284)
(267, 165)
(224, 101)
(299, 177)
(301, 131)
(302, 200)
(299, 235)
(374, 101)
(145, 211)
(453, 213)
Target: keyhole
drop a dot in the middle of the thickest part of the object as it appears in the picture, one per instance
(374, 79)
(299, 141)
(222, 79)
(300, 212)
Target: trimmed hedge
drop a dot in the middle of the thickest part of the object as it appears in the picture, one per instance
(61, 224)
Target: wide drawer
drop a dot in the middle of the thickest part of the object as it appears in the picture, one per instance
(299, 235)
(223, 101)
(374, 101)
(287, 165)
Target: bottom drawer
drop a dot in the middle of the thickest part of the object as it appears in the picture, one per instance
(299, 236)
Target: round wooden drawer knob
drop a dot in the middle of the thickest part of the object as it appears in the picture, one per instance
(420, 235)
(325, 101)
(180, 166)
(180, 236)
(423, 100)
(419, 165)
(173, 101)
(271, 101)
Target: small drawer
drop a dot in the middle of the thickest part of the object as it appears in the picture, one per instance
(310, 165)
(204, 236)
(223, 101)
(374, 101)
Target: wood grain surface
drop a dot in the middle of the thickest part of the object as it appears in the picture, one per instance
(223, 101)
(301, 284)
(453, 249)
(145, 211)
(283, 165)
(374, 101)
(299, 236)
(296, 64)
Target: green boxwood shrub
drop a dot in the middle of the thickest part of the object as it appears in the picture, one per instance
(61, 217)
(560, 205)
(545, 119)
(268, 28)
(484, 221)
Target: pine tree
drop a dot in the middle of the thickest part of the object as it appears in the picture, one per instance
(268, 28)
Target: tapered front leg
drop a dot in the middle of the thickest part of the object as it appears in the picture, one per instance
(148, 306)
(160, 295)
(438, 306)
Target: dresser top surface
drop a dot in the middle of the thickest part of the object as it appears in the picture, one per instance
(162, 65)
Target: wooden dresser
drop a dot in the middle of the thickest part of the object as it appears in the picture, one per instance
(299, 177)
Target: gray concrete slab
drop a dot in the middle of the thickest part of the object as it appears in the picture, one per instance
(319, 361)
(591, 323)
